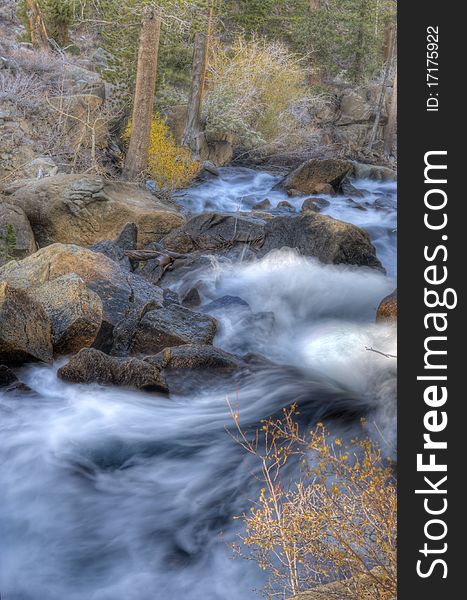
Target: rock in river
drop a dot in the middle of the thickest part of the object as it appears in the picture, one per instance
(93, 366)
(387, 310)
(310, 177)
(170, 326)
(312, 234)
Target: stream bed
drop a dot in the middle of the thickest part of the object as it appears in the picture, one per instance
(110, 494)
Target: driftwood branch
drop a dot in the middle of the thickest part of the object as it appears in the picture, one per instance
(381, 353)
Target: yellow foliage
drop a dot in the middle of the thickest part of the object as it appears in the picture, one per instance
(339, 522)
(171, 166)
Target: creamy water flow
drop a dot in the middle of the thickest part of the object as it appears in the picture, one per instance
(109, 494)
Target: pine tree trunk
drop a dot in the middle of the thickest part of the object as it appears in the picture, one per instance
(391, 127)
(198, 74)
(138, 149)
(37, 29)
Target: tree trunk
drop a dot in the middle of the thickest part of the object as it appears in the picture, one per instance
(379, 109)
(391, 127)
(198, 74)
(143, 105)
(37, 29)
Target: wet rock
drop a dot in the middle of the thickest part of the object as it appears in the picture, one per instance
(348, 189)
(93, 366)
(329, 240)
(7, 377)
(226, 302)
(85, 209)
(263, 205)
(312, 234)
(355, 204)
(215, 231)
(313, 174)
(125, 296)
(9, 382)
(172, 326)
(258, 361)
(16, 236)
(314, 204)
(192, 298)
(195, 357)
(25, 329)
(375, 172)
(285, 204)
(387, 310)
(208, 171)
(74, 311)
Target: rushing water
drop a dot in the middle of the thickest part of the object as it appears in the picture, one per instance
(108, 494)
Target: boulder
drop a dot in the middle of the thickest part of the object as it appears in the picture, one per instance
(16, 236)
(195, 357)
(125, 296)
(348, 189)
(214, 231)
(192, 298)
(170, 326)
(74, 310)
(375, 172)
(285, 204)
(310, 177)
(86, 209)
(93, 366)
(115, 249)
(329, 240)
(263, 205)
(314, 204)
(312, 234)
(25, 329)
(387, 310)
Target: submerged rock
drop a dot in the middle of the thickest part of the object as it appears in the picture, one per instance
(25, 328)
(263, 205)
(314, 204)
(93, 366)
(10, 383)
(195, 357)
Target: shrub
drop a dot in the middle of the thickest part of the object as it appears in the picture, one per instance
(337, 523)
(170, 165)
(251, 87)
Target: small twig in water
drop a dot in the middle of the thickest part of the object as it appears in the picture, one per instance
(379, 352)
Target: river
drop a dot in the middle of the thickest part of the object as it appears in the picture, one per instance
(109, 494)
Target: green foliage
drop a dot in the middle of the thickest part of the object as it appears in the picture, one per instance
(8, 243)
(345, 37)
(58, 17)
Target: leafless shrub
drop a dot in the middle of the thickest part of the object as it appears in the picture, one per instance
(23, 90)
